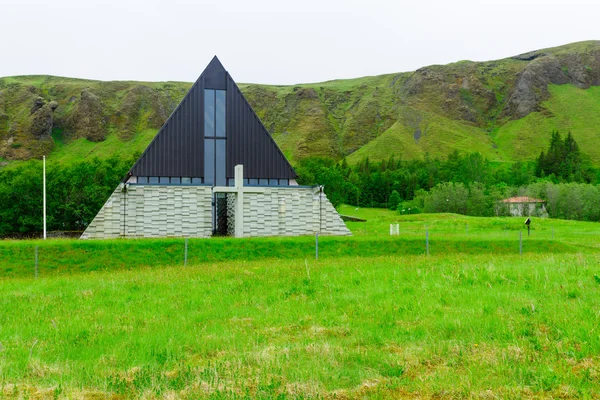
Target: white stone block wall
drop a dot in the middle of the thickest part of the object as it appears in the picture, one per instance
(148, 211)
(291, 211)
(154, 211)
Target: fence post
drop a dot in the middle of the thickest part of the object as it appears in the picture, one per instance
(427, 240)
(520, 242)
(317, 246)
(467, 229)
(552, 233)
(36, 262)
(185, 253)
(398, 229)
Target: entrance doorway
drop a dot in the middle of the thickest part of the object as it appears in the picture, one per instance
(224, 214)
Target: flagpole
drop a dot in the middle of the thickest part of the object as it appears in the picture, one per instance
(44, 197)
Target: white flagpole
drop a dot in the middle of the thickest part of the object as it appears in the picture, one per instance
(44, 197)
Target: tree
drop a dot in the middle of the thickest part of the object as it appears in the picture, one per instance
(394, 200)
(563, 160)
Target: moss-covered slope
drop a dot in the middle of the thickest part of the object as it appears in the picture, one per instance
(504, 109)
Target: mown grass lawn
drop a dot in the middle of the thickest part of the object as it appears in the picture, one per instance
(455, 324)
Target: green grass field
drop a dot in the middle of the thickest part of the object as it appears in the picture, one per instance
(374, 317)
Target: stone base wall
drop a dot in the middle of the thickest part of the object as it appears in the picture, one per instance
(151, 211)
(290, 211)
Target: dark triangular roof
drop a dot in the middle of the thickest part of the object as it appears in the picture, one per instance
(178, 147)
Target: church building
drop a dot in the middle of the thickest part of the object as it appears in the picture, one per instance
(213, 169)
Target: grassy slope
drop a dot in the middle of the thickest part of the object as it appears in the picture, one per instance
(456, 106)
(440, 135)
(449, 325)
(568, 109)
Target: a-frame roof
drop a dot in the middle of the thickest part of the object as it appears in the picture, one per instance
(178, 147)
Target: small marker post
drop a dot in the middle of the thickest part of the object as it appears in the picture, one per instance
(427, 240)
(520, 242)
(36, 262)
(185, 253)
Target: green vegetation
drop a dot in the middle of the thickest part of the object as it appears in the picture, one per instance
(465, 321)
(466, 184)
(563, 160)
(69, 152)
(75, 193)
(448, 233)
(465, 106)
(568, 109)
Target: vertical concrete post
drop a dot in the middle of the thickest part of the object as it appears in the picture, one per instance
(239, 201)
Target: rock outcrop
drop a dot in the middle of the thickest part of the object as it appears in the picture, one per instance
(87, 119)
(42, 118)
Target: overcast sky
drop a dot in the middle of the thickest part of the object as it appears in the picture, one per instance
(276, 41)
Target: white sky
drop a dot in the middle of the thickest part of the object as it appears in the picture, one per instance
(276, 41)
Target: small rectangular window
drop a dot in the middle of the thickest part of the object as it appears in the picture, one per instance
(196, 181)
(186, 180)
(264, 182)
(142, 179)
(273, 182)
(253, 182)
(230, 182)
(175, 179)
(284, 182)
(153, 179)
(164, 179)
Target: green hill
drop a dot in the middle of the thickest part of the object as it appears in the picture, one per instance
(504, 109)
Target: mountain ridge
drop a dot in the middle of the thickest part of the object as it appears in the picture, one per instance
(504, 109)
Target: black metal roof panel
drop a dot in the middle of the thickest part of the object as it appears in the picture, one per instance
(178, 147)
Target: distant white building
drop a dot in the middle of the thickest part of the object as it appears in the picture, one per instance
(522, 206)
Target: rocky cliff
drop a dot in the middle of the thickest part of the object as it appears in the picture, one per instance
(436, 109)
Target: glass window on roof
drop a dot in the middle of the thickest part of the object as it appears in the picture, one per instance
(220, 113)
(209, 161)
(209, 112)
(220, 162)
